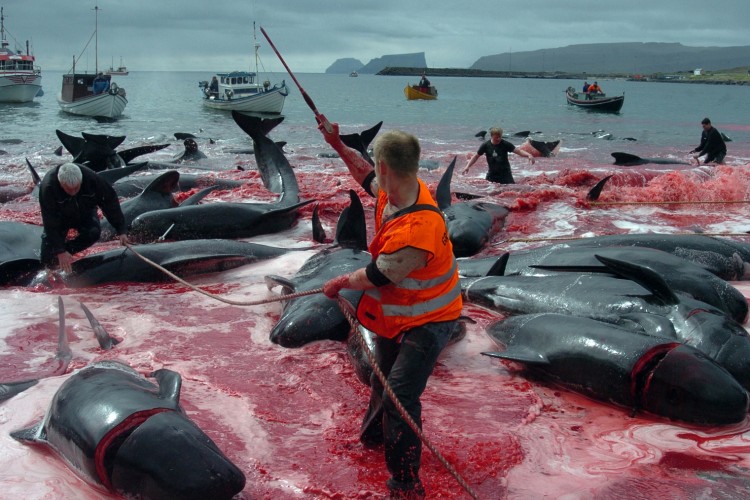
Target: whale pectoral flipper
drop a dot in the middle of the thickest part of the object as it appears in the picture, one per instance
(33, 434)
(10, 389)
(520, 355)
(106, 342)
(286, 284)
(643, 275)
(170, 383)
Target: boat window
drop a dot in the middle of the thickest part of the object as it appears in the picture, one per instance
(223, 80)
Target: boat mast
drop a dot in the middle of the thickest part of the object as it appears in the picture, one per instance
(257, 46)
(96, 40)
(2, 29)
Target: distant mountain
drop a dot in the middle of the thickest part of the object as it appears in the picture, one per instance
(628, 58)
(346, 65)
(415, 60)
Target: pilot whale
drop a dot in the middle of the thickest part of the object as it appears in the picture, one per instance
(121, 431)
(233, 220)
(613, 364)
(470, 224)
(316, 317)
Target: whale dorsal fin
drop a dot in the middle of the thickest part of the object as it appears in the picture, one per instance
(443, 191)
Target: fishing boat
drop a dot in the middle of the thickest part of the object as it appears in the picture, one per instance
(88, 94)
(20, 80)
(413, 92)
(240, 91)
(595, 102)
(120, 70)
(354, 74)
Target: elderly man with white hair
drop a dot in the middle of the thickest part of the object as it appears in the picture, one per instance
(69, 196)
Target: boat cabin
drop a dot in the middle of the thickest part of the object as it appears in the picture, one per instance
(80, 85)
(15, 62)
(235, 85)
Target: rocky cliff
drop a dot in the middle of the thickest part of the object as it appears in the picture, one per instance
(415, 60)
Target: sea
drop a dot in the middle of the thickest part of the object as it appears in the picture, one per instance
(289, 418)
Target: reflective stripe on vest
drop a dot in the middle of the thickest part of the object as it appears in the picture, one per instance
(415, 284)
(419, 308)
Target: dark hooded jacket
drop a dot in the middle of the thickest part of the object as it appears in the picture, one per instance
(61, 212)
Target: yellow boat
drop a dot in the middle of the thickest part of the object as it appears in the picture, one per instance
(413, 92)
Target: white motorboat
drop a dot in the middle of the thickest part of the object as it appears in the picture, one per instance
(240, 91)
(20, 80)
(94, 94)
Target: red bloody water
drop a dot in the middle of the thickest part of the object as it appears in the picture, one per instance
(289, 418)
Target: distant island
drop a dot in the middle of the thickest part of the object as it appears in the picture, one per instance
(646, 61)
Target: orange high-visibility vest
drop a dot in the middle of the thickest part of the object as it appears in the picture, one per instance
(426, 295)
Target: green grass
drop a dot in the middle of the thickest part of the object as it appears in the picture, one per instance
(735, 74)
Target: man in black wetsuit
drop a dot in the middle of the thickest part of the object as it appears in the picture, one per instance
(496, 150)
(69, 196)
(712, 144)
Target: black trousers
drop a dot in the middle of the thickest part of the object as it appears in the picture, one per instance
(407, 365)
(89, 230)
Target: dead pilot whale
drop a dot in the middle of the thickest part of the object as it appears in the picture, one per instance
(630, 369)
(98, 152)
(120, 430)
(233, 220)
(316, 317)
(470, 224)
(638, 298)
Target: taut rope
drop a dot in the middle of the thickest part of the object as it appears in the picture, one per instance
(217, 297)
(729, 202)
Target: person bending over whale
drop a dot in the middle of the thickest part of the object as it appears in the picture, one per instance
(712, 144)
(69, 196)
(412, 296)
(496, 150)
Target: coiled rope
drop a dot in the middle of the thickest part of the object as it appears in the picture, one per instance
(346, 309)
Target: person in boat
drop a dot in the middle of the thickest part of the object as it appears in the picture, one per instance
(496, 151)
(594, 88)
(424, 84)
(69, 196)
(712, 144)
(213, 87)
(412, 296)
(100, 84)
(586, 87)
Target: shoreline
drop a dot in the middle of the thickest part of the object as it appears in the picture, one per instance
(556, 75)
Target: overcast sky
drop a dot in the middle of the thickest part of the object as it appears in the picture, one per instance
(215, 35)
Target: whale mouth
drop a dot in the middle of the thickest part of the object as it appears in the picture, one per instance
(642, 373)
(111, 442)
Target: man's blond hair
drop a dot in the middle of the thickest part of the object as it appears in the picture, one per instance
(399, 150)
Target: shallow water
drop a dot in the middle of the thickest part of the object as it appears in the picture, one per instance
(289, 417)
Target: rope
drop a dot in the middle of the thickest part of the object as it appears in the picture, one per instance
(566, 238)
(596, 203)
(217, 297)
(346, 310)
